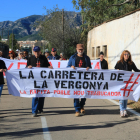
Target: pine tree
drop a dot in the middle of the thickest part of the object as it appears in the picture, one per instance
(13, 41)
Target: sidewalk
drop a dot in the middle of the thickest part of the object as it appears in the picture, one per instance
(101, 122)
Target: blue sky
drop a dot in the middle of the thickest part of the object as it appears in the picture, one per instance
(16, 9)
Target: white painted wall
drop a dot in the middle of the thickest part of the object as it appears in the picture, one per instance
(120, 34)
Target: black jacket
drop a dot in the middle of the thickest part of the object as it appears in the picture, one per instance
(38, 62)
(122, 66)
(2, 66)
(104, 64)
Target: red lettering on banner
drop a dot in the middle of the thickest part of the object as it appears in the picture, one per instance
(46, 91)
(62, 92)
(112, 93)
(39, 91)
(128, 82)
(32, 91)
(50, 63)
(21, 63)
(24, 92)
(79, 92)
(103, 93)
(59, 64)
(9, 68)
(97, 66)
(92, 63)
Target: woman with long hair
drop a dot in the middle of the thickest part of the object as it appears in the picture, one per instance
(12, 55)
(125, 63)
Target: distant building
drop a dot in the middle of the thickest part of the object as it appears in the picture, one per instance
(26, 45)
(115, 36)
(4, 40)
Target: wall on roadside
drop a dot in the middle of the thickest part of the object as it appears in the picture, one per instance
(116, 36)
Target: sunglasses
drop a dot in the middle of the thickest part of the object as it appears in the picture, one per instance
(126, 54)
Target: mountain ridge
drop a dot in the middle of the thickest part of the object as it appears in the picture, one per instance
(24, 27)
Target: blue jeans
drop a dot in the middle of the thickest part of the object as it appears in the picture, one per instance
(123, 104)
(79, 104)
(37, 104)
(1, 87)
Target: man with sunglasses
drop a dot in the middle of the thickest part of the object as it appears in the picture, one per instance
(80, 60)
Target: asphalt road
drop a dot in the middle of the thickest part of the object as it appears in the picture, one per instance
(101, 122)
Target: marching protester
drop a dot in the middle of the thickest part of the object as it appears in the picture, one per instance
(125, 63)
(30, 54)
(47, 53)
(1, 53)
(103, 62)
(53, 55)
(81, 60)
(37, 60)
(25, 55)
(17, 51)
(2, 69)
(62, 57)
(12, 55)
(20, 56)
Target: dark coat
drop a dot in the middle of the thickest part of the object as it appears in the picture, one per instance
(43, 62)
(121, 66)
(2, 66)
(104, 64)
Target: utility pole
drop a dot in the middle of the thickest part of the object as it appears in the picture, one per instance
(8, 39)
(2, 33)
(12, 39)
(63, 31)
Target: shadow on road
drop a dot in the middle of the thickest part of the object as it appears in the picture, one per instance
(20, 134)
(88, 112)
(88, 126)
(27, 133)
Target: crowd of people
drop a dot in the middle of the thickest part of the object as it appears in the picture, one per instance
(79, 59)
(18, 55)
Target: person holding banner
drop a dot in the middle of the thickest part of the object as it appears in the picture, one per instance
(2, 69)
(81, 60)
(53, 55)
(103, 62)
(125, 63)
(37, 60)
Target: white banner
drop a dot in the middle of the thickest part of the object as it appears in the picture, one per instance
(18, 64)
(78, 83)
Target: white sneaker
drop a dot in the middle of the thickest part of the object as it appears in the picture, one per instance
(125, 113)
(121, 114)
